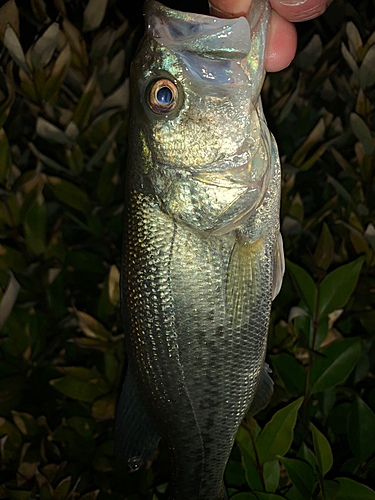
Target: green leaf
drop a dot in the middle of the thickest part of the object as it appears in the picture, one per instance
(294, 494)
(81, 383)
(243, 437)
(93, 14)
(339, 360)
(70, 194)
(50, 132)
(93, 495)
(12, 444)
(301, 475)
(291, 373)
(82, 112)
(6, 105)
(11, 259)
(244, 496)
(296, 208)
(48, 161)
(331, 489)
(18, 494)
(58, 73)
(234, 475)
(5, 160)
(9, 14)
(271, 475)
(104, 408)
(114, 286)
(337, 419)
(258, 495)
(8, 299)
(352, 63)
(367, 69)
(26, 423)
(361, 425)
(277, 436)
(83, 425)
(337, 287)
(354, 38)
(108, 179)
(74, 158)
(324, 248)
(304, 453)
(62, 489)
(320, 333)
(311, 52)
(35, 227)
(322, 449)
(85, 261)
(45, 46)
(91, 327)
(315, 136)
(105, 147)
(340, 190)
(351, 490)
(12, 43)
(251, 472)
(305, 286)
(362, 132)
(267, 496)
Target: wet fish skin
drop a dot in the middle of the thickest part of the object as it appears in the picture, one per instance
(202, 256)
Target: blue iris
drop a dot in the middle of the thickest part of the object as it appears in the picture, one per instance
(164, 96)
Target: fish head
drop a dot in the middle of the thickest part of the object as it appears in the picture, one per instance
(196, 113)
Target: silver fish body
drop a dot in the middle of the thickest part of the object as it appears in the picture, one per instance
(202, 252)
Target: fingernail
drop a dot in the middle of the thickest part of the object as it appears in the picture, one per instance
(295, 3)
(214, 11)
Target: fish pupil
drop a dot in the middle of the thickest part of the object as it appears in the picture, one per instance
(164, 96)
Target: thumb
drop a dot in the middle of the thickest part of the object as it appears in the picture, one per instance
(300, 10)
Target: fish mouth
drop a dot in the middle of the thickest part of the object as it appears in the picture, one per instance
(225, 195)
(244, 169)
(208, 36)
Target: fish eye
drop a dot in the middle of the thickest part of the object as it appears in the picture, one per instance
(162, 96)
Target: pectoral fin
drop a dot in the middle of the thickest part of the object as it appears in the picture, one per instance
(264, 392)
(278, 266)
(241, 285)
(135, 436)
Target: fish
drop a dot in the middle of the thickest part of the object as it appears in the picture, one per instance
(202, 255)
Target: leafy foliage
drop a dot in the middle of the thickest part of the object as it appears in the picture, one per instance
(63, 120)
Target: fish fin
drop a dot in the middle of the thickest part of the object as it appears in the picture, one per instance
(241, 285)
(135, 437)
(278, 266)
(264, 392)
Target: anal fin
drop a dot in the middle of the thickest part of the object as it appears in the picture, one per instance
(135, 437)
(264, 392)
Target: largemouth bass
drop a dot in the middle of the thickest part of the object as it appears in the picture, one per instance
(202, 252)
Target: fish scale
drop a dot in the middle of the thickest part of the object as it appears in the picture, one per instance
(202, 255)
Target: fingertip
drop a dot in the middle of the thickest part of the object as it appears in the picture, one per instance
(299, 10)
(229, 8)
(281, 44)
(281, 39)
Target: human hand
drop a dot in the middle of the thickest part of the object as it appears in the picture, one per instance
(282, 36)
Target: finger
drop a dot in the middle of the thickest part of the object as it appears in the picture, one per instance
(300, 10)
(229, 8)
(281, 37)
(281, 44)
